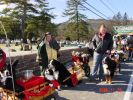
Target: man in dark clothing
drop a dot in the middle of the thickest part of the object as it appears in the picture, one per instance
(130, 47)
(102, 42)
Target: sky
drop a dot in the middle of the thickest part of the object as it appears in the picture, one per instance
(115, 5)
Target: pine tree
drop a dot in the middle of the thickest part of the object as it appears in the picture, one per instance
(70, 28)
(125, 18)
(24, 10)
(72, 10)
(117, 19)
(114, 17)
(75, 17)
(119, 16)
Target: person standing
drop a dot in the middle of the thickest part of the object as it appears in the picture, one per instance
(123, 43)
(115, 42)
(130, 47)
(48, 49)
(102, 43)
(89, 46)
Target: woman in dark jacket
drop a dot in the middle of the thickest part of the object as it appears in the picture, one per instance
(47, 50)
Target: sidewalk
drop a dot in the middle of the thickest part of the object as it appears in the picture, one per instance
(22, 53)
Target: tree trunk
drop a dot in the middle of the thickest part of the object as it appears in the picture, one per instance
(24, 18)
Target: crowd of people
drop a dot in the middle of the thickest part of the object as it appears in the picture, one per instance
(124, 43)
(102, 43)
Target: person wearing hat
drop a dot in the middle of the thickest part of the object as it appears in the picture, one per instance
(48, 49)
(2, 59)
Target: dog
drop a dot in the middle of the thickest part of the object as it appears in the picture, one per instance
(51, 74)
(7, 78)
(81, 59)
(51, 77)
(58, 71)
(85, 61)
(109, 67)
(116, 58)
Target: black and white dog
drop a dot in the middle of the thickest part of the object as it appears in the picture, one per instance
(7, 78)
(51, 75)
(85, 61)
(109, 67)
(57, 71)
(116, 58)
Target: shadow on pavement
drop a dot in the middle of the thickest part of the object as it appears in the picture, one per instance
(55, 96)
(120, 83)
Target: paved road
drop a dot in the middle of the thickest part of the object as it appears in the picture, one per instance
(121, 89)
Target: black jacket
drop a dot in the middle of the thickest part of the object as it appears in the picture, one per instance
(101, 46)
(130, 41)
(42, 53)
(53, 44)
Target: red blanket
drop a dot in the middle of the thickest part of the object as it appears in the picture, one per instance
(36, 80)
(3, 60)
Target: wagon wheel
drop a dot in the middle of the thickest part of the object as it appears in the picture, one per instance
(52, 97)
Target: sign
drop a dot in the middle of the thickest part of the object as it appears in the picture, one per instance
(123, 29)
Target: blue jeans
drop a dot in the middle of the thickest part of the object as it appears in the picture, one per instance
(97, 65)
